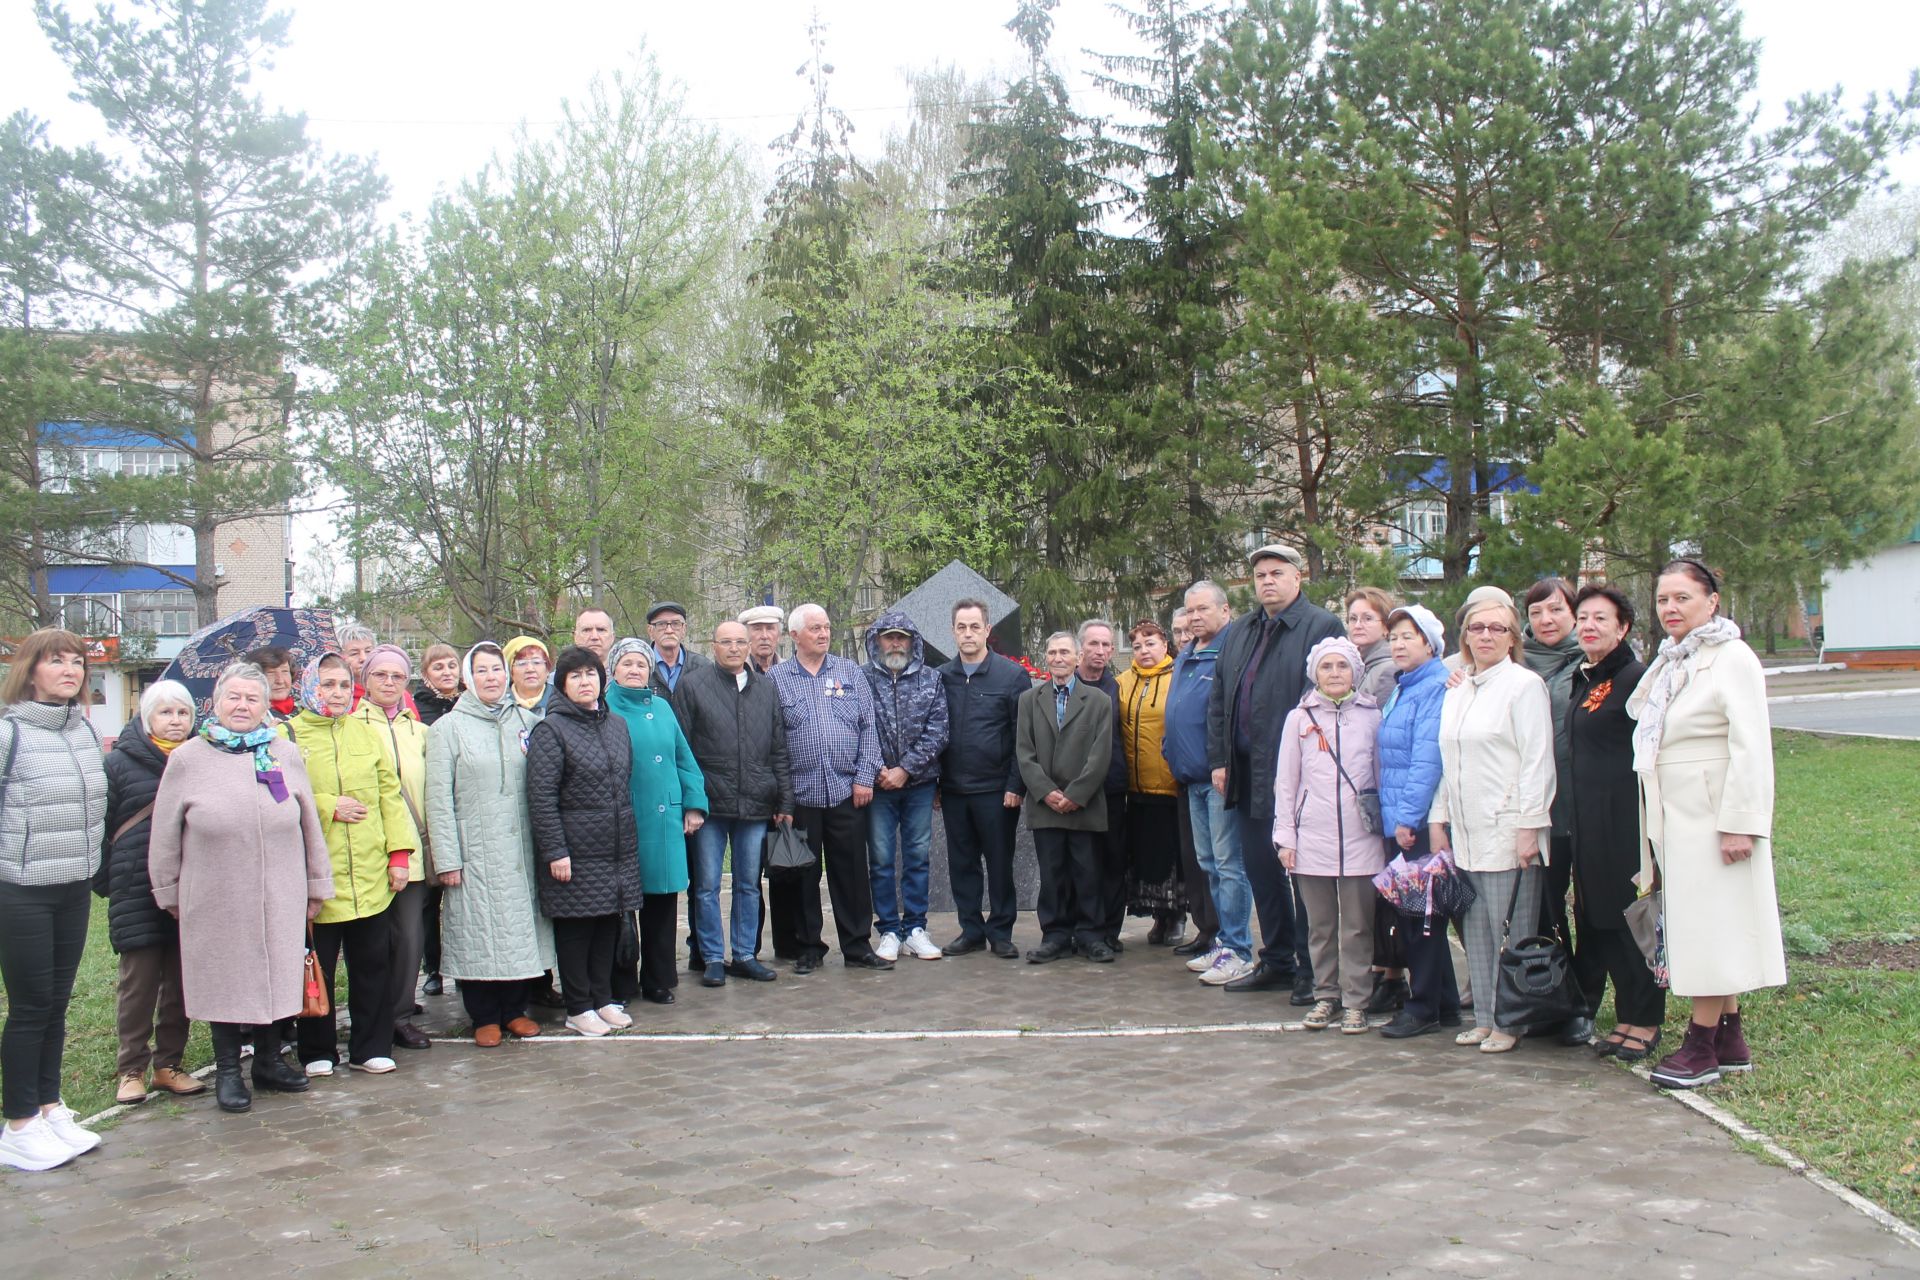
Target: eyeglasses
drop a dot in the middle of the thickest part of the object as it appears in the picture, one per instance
(670, 624)
(1488, 628)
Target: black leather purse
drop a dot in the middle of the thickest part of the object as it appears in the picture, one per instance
(787, 853)
(1534, 981)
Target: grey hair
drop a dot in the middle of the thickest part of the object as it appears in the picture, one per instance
(348, 632)
(1068, 636)
(795, 620)
(1080, 636)
(1210, 587)
(242, 671)
(165, 693)
(1178, 614)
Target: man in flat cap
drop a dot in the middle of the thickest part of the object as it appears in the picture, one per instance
(764, 624)
(667, 629)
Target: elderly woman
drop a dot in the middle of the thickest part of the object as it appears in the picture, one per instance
(356, 642)
(152, 1019)
(579, 801)
(1704, 753)
(1496, 788)
(528, 663)
(237, 856)
(494, 939)
(397, 725)
(1328, 761)
(1602, 801)
(50, 768)
(1410, 769)
(439, 683)
(669, 804)
(372, 839)
(1154, 883)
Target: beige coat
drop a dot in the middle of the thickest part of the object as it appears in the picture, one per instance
(239, 870)
(1714, 774)
(1496, 753)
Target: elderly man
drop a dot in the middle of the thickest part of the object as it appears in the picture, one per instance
(1064, 742)
(910, 719)
(731, 714)
(980, 784)
(356, 642)
(1181, 632)
(827, 707)
(1221, 885)
(764, 625)
(593, 631)
(667, 630)
(1096, 656)
(1261, 674)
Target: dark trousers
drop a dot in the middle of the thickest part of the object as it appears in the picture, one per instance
(407, 941)
(1638, 1000)
(695, 960)
(980, 832)
(780, 911)
(43, 931)
(655, 970)
(1432, 991)
(1110, 913)
(584, 947)
(1556, 878)
(1283, 928)
(1206, 920)
(430, 930)
(1071, 889)
(837, 835)
(368, 944)
(150, 1009)
(495, 1004)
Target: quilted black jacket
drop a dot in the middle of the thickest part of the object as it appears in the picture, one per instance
(134, 919)
(580, 807)
(739, 738)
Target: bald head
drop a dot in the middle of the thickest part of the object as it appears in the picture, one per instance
(730, 647)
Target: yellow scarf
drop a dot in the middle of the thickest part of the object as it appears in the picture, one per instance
(166, 747)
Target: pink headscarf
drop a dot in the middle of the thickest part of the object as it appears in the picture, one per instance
(388, 655)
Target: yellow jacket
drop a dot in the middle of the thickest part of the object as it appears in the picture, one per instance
(1143, 723)
(405, 739)
(345, 758)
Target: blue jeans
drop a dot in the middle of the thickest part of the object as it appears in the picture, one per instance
(1216, 847)
(901, 820)
(748, 837)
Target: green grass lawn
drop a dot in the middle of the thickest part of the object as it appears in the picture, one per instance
(1838, 1048)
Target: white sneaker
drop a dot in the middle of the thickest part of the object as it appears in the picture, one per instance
(888, 947)
(614, 1016)
(34, 1146)
(920, 946)
(66, 1127)
(1202, 963)
(374, 1066)
(320, 1067)
(1228, 967)
(587, 1024)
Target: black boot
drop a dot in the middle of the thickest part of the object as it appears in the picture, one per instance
(228, 1088)
(271, 1070)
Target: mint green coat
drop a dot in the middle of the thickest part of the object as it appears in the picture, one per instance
(666, 782)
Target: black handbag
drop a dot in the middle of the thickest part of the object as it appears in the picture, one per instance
(1534, 981)
(787, 853)
(626, 949)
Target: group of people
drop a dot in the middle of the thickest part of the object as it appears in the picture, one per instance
(521, 819)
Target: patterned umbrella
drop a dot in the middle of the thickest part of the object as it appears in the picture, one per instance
(308, 632)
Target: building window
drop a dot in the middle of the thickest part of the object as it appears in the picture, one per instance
(1500, 505)
(160, 613)
(151, 462)
(867, 600)
(88, 615)
(1424, 520)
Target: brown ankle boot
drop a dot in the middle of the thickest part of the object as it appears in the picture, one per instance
(178, 1082)
(1693, 1064)
(1730, 1046)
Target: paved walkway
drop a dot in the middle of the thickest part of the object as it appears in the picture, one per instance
(1161, 1147)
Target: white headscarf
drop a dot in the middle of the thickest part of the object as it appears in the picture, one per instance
(1663, 682)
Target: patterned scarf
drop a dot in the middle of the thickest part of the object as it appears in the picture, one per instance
(310, 688)
(259, 740)
(1663, 682)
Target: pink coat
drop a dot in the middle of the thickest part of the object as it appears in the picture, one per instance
(1315, 810)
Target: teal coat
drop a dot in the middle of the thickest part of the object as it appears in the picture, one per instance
(666, 783)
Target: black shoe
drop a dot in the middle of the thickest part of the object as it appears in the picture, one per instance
(433, 986)
(1116, 945)
(715, 975)
(1389, 996)
(658, 997)
(1157, 936)
(229, 1090)
(1263, 978)
(548, 998)
(1097, 951)
(1302, 990)
(1047, 952)
(1004, 948)
(1405, 1025)
(1450, 1020)
(805, 965)
(1544, 1030)
(752, 969)
(408, 1036)
(963, 944)
(275, 1074)
(1578, 1033)
(696, 965)
(868, 960)
(1199, 946)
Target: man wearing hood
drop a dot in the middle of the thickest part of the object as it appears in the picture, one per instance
(910, 719)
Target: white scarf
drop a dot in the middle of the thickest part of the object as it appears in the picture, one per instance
(1663, 682)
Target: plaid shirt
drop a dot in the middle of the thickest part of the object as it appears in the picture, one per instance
(830, 734)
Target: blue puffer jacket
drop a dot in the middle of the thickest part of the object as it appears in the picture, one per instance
(1185, 743)
(909, 706)
(1410, 746)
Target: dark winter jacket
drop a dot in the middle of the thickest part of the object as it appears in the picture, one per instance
(1278, 684)
(740, 741)
(1409, 746)
(580, 807)
(1603, 800)
(134, 919)
(982, 711)
(1185, 743)
(1116, 783)
(690, 662)
(910, 707)
(1556, 663)
(431, 705)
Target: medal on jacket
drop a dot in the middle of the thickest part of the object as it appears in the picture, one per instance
(526, 736)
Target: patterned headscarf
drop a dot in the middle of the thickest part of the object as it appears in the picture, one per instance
(310, 686)
(631, 644)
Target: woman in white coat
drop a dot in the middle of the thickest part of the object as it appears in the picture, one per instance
(1496, 790)
(1704, 752)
